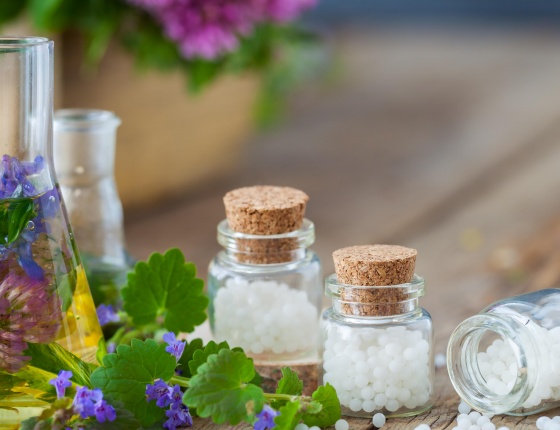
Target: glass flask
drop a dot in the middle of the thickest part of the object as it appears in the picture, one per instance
(44, 294)
(377, 348)
(84, 158)
(505, 359)
(267, 302)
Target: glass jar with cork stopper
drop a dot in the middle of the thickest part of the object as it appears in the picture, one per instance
(377, 342)
(265, 285)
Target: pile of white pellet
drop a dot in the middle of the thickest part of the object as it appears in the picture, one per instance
(471, 420)
(546, 423)
(498, 367)
(378, 369)
(265, 316)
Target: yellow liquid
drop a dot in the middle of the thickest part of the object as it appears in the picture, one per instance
(79, 333)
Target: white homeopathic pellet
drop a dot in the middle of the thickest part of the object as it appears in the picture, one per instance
(541, 422)
(378, 420)
(301, 426)
(464, 408)
(315, 428)
(422, 427)
(264, 316)
(378, 369)
(341, 425)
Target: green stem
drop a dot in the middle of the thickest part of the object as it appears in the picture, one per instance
(287, 397)
(179, 380)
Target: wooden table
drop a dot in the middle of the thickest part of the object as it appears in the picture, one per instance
(445, 140)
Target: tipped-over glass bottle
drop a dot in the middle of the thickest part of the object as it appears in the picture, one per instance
(44, 294)
(84, 157)
(505, 359)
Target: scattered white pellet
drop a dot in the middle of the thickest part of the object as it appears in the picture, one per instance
(423, 427)
(556, 419)
(488, 426)
(378, 369)
(464, 408)
(378, 420)
(440, 361)
(302, 426)
(315, 428)
(503, 428)
(341, 425)
(541, 422)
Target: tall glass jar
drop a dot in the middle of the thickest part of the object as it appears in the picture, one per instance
(267, 302)
(44, 294)
(84, 157)
(505, 359)
(377, 352)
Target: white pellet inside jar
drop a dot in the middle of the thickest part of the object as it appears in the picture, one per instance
(385, 369)
(265, 317)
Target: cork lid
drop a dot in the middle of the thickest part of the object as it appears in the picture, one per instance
(265, 210)
(374, 264)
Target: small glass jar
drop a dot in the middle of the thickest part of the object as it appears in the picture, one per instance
(505, 359)
(265, 293)
(377, 348)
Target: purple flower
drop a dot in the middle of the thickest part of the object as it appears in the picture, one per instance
(159, 391)
(29, 312)
(61, 382)
(265, 418)
(176, 347)
(210, 29)
(176, 396)
(15, 182)
(104, 411)
(107, 314)
(111, 347)
(85, 401)
(177, 418)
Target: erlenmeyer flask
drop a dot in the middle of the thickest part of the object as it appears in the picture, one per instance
(44, 295)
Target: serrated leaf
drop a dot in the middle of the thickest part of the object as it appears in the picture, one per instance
(126, 373)
(166, 286)
(190, 348)
(54, 358)
(221, 389)
(330, 411)
(290, 383)
(199, 357)
(290, 416)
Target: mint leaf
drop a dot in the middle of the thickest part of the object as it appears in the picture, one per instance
(221, 389)
(289, 417)
(126, 373)
(53, 358)
(190, 348)
(330, 411)
(166, 286)
(290, 383)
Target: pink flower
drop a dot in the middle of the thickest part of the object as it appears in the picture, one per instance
(211, 28)
(28, 313)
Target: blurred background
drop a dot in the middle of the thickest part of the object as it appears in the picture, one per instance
(430, 124)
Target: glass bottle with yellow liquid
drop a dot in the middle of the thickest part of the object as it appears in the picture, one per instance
(45, 301)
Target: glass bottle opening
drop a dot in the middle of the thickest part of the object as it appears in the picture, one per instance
(488, 358)
(374, 301)
(266, 249)
(8, 43)
(85, 120)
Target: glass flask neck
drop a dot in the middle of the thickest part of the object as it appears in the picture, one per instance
(84, 155)
(26, 87)
(375, 301)
(464, 368)
(266, 249)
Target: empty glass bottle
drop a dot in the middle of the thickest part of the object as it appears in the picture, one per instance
(45, 301)
(84, 157)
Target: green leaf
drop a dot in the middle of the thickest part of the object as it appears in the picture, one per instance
(126, 373)
(29, 424)
(221, 389)
(329, 413)
(23, 213)
(44, 13)
(190, 348)
(166, 286)
(290, 416)
(200, 356)
(290, 383)
(10, 9)
(53, 358)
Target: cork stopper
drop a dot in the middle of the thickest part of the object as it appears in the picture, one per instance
(265, 210)
(374, 266)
